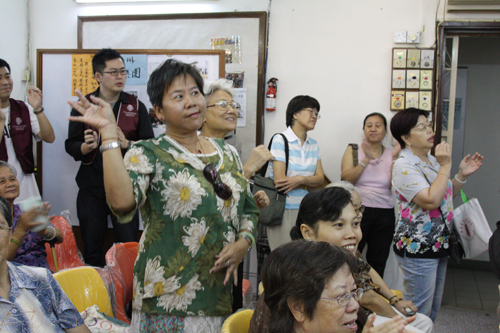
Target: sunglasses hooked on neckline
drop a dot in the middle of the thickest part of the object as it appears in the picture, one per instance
(222, 190)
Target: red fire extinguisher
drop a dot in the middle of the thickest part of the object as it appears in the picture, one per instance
(272, 86)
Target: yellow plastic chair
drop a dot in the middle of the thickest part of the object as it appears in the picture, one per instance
(85, 287)
(238, 322)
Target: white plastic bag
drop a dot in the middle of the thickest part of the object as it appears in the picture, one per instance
(472, 227)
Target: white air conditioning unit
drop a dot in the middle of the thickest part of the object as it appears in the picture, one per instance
(473, 5)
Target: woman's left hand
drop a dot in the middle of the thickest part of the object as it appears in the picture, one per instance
(403, 305)
(289, 183)
(261, 199)
(469, 164)
(230, 257)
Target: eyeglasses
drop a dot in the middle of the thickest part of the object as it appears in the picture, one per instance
(345, 298)
(122, 72)
(360, 209)
(222, 190)
(423, 127)
(313, 112)
(223, 104)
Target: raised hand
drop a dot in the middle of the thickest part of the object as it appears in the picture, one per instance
(98, 115)
(35, 98)
(443, 153)
(469, 164)
(258, 157)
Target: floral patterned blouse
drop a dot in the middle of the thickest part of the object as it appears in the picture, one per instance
(419, 232)
(185, 226)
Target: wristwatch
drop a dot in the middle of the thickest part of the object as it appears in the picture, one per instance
(39, 111)
(112, 145)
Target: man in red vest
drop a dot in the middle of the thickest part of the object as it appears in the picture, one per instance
(84, 144)
(19, 123)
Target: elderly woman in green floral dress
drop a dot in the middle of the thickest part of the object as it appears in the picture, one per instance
(198, 212)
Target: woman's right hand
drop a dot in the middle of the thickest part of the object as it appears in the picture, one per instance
(98, 115)
(394, 325)
(26, 220)
(443, 153)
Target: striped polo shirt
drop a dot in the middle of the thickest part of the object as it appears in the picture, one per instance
(302, 162)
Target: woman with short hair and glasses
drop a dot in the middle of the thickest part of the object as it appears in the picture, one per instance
(221, 118)
(424, 190)
(199, 215)
(333, 215)
(372, 176)
(309, 288)
(305, 171)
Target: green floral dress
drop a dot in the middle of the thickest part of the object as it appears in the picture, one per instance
(185, 226)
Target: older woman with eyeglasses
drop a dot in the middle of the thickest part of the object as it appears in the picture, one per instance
(199, 215)
(310, 288)
(31, 300)
(305, 171)
(424, 190)
(221, 118)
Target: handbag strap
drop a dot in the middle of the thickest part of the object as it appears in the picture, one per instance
(354, 153)
(440, 211)
(263, 170)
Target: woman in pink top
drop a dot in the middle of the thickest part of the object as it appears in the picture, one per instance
(372, 177)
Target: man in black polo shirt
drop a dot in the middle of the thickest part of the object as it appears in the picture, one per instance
(84, 143)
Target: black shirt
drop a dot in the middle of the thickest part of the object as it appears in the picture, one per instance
(90, 175)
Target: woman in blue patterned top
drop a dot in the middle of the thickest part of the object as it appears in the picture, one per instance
(424, 194)
(30, 298)
(304, 163)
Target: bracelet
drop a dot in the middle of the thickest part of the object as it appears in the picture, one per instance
(249, 235)
(458, 180)
(48, 238)
(361, 163)
(442, 174)
(15, 241)
(391, 302)
(112, 145)
(39, 111)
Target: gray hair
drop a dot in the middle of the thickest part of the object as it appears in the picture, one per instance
(221, 84)
(10, 166)
(345, 185)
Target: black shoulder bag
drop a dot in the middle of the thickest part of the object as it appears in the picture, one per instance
(273, 214)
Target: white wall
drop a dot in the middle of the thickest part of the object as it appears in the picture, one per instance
(336, 51)
(13, 40)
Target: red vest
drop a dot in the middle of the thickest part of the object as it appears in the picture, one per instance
(20, 132)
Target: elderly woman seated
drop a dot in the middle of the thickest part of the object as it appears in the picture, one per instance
(26, 246)
(30, 298)
(309, 288)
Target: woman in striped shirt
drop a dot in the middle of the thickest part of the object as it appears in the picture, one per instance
(304, 171)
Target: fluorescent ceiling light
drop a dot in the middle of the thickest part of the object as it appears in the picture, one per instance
(115, 1)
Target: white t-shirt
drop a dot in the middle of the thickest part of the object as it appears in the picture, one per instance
(27, 183)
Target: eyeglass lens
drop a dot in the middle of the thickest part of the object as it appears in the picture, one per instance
(345, 298)
(222, 190)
